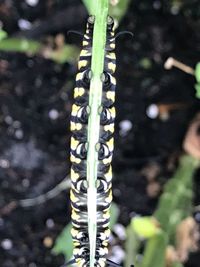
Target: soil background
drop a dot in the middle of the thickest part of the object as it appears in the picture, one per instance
(36, 96)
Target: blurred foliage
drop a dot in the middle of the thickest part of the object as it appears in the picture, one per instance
(145, 63)
(117, 8)
(19, 45)
(3, 34)
(67, 53)
(132, 246)
(197, 76)
(177, 264)
(64, 245)
(154, 254)
(175, 204)
(145, 227)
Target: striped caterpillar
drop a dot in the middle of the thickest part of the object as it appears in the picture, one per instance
(79, 123)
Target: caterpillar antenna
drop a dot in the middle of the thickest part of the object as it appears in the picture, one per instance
(122, 33)
(75, 32)
(68, 263)
(112, 263)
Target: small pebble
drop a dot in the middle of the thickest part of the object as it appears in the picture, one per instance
(152, 111)
(153, 189)
(164, 116)
(1, 222)
(116, 192)
(25, 183)
(38, 82)
(197, 217)
(6, 244)
(30, 63)
(24, 24)
(125, 127)
(157, 5)
(53, 114)
(118, 254)
(120, 231)
(8, 119)
(175, 10)
(54, 81)
(19, 134)
(32, 2)
(50, 223)
(48, 242)
(111, 239)
(64, 96)
(4, 163)
(16, 124)
(21, 261)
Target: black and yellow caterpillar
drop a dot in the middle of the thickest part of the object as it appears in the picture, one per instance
(79, 123)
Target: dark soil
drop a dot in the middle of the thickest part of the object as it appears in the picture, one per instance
(35, 148)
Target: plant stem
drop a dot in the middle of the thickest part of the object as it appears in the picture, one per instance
(100, 10)
(172, 62)
(176, 202)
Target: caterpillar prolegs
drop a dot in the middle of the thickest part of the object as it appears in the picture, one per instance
(79, 125)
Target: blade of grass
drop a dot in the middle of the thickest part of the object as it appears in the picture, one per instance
(117, 10)
(87, 4)
(100, 10)
(132, 246)
(155, 251)
(176, 202)
(68, 53)
(19, 45)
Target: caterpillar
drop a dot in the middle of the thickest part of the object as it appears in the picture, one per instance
(78, 125)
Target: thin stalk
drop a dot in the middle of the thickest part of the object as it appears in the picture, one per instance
(100, 10)
(172, 62)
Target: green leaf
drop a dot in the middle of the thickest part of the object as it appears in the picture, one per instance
(175, 203)
(197, 72)
(63, 244)
(177, 264)
(3, 34)
(68, 53)
(145, 227)
(132, 246)
(154, 255)
(197, 88)
(145, 63)
(118, 10)
(114, 213)
(19, 45)
(87, 4)
(99, 9)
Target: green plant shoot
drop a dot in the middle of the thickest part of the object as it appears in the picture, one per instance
(98, 9)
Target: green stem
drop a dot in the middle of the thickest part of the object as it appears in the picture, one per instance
(100, 10)
(176, 202)
(20, 45)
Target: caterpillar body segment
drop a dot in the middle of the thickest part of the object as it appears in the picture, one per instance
(79, 127)
(79, 121)
(105, 150)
